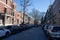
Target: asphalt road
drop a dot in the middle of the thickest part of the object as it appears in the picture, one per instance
(31, 34)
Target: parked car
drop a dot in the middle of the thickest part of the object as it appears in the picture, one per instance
(49, 28)
(23, 26)
(28, 26)
(13, 28)
(4, 32)
(54, 32)
(46, 27)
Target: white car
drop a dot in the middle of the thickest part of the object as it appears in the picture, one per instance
(54, 32)
(4, 32)
(50, 27)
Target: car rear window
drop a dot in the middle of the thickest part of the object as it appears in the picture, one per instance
(56, 29)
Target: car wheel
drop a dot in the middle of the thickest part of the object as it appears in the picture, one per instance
(7, 34)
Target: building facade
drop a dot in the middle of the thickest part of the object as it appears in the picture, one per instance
(54, 12)
(8, 13)
(17, 18)
(48, 16)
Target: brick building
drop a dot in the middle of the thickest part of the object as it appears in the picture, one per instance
(56, 11)
(8, 13)
(48, 16)
(54, 17)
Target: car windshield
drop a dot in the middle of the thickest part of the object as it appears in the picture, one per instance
(56, 29)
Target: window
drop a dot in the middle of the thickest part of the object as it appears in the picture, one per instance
(17, 21)
(55, 29)
(6, 1)
(12, 21)
(5, 10)
(13, 13)
(59, 10)
(13, 10)
(59, 1)
(54, 14)
(54, 6)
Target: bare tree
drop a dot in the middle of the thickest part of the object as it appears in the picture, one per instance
(35, 14)
(24, 4)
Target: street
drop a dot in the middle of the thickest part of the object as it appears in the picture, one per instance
(29, 20)
(35, 33)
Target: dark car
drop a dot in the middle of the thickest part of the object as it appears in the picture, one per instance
(23, 26)
(28, 26)
(45, 25)
(13, 28)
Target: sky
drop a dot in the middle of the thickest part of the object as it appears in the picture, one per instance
(41, 5)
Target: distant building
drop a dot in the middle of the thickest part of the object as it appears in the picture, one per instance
(28, 20)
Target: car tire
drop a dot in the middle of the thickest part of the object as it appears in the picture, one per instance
(7, 34)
